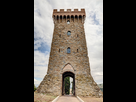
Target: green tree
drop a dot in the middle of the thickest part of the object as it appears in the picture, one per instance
(34, 87)
(67, 85)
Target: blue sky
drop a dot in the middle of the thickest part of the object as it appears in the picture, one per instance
(43, 33)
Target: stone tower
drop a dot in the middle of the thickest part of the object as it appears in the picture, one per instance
(69, 56)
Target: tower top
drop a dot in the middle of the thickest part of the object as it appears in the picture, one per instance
(69, 12)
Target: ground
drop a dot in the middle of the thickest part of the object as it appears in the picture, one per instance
(91, 99)
(39, 97)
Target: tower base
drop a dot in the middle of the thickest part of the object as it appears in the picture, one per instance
(84, 86)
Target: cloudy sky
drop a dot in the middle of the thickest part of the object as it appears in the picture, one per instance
(43, 33)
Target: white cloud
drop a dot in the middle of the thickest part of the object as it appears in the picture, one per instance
(43, 24)
(41, 59)
(43, 28)
(40, 71)
(98, 79)
(36, 82)
(40, 64)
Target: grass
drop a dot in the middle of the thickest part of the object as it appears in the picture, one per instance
(41, 97)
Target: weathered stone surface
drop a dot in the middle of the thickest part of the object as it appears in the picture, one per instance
(76, 62)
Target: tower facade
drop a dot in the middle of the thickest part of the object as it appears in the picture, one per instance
(69, 56)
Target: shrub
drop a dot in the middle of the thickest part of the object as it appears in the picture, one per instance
(34, 87)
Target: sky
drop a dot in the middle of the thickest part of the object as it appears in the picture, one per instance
(43, 33)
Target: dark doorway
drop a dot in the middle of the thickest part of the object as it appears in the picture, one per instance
(68, 74)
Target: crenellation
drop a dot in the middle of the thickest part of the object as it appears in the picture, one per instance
(68, 10)
(82, 10)
(55, 10)
(70, 13)
(61, 10)
(75, 10)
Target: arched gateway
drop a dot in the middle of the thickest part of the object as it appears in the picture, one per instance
(68, 71)
(68, 74)
(69, 56)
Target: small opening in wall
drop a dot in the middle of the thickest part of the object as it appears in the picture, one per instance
(60, 35)
(68, 50)
(68, 22)
(69, 33)
(57, 18)
(68, 17)
(72, 18)
(80, 18)
(61, 19)
(77, 50)
(59, 50)
(77, 35)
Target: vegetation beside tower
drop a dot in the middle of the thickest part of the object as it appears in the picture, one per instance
(67, 85)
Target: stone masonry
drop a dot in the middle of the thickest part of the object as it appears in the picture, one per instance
(76, 61)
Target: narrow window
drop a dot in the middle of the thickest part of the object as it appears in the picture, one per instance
(59, 50)
(68, 50)
(60, 35)
(77, 50)
(68, 33)
(68, 22)
(77, 35)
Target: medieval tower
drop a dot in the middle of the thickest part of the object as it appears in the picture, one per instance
(69, 56)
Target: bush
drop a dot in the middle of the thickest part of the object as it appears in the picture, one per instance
(34, 87)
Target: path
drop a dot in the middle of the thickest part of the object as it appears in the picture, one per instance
(67, 98)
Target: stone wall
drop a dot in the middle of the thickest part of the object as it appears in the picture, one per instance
(78, 59)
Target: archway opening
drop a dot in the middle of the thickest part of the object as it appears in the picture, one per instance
(72, 18)
(60, 18)
(71, 85)
(80, 18)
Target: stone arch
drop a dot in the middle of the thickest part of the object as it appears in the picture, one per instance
(80, 18)
(64, 18)
(60, 18)
(68, 67)
(57, 18)
(76, 17)
(68, 16)
(72, 18)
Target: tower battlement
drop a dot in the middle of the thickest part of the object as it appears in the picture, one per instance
(76, 14)
(69, 11)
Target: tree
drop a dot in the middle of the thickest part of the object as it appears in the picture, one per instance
(34, 87)
(67, 85)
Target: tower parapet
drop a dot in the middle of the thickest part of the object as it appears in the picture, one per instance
(58, 15)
